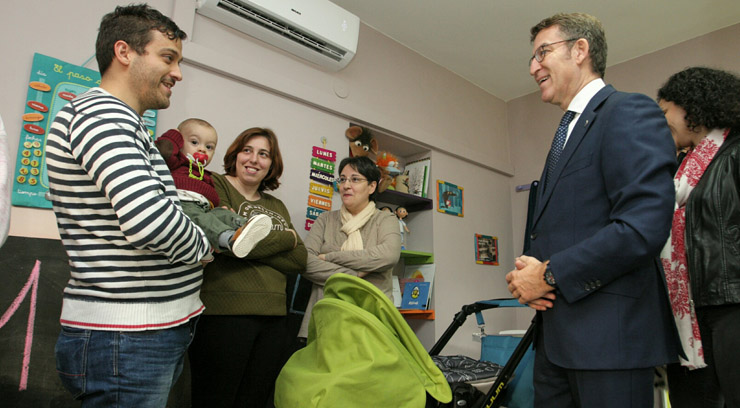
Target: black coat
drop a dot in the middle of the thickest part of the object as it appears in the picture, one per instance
(713, 229)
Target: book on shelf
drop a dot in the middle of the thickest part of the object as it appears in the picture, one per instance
(424, 272)
(396, 292)
(415, 296)
(404, 281)
(419, 173)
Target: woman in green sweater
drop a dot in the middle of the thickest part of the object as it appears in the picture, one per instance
(242, 336)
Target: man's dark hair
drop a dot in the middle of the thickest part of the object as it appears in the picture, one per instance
(579, 25)
(710, 97)
(132, 24)
(366, 167)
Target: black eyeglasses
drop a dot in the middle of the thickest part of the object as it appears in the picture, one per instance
(541, 52)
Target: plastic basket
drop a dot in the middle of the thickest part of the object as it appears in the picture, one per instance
(498, 349)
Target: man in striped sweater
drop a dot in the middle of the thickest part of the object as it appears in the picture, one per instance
(130, 307)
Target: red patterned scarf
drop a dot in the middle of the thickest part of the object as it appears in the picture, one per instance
(673, 255)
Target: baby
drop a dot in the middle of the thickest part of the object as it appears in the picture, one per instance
(187, 150)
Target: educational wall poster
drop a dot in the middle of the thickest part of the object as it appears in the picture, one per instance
(449, 198)
(52, 84)
(486, 249)
(322, 179)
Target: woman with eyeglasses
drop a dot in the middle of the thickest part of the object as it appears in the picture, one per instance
(358, 239)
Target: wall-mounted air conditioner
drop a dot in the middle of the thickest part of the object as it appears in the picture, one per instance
(315, 30)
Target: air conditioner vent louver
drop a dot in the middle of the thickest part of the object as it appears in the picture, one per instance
(318, 31)
(280, 28)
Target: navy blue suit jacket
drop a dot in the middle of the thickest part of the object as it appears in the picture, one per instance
(602, 221)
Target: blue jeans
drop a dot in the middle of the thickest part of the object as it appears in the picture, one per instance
(122, 369)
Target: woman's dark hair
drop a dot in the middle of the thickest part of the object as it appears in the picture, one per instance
(710, 97)
(270, 182)
(366, 167)
(132, 24)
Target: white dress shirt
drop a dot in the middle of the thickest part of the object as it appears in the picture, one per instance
(579, 102)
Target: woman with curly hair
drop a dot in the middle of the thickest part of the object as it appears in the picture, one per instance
(702, 256)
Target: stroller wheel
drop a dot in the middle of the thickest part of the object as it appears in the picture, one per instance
(463, 395)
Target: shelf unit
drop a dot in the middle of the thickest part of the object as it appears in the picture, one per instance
(417, 258)
(417, 314)
(409, 201)
(408, 151)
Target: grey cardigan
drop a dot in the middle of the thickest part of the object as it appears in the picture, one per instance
(382, 241)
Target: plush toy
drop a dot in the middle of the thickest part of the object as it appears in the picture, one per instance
(388, 165)
(361, 141)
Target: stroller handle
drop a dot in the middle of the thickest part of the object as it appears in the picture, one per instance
(463, 314)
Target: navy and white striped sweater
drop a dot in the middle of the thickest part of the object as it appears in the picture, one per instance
(134, 255)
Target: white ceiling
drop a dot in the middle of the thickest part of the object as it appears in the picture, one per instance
(487, 41)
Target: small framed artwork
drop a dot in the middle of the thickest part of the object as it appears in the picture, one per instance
(486, 249)
(449, 198)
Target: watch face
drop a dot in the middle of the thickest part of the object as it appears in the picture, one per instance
(549, 278)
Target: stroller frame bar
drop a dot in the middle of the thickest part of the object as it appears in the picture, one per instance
(493, 398)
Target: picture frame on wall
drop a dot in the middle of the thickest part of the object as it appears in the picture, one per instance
(486, 249)
(450, 198)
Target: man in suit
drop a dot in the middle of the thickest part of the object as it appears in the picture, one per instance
(603, 214)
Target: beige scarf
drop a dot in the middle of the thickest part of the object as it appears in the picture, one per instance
(351, 225)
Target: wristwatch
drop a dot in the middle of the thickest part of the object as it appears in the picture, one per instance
(549, 278)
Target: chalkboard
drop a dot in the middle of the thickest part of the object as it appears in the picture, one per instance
(35, 272)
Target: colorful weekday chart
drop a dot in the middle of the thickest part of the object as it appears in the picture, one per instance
(321, 186)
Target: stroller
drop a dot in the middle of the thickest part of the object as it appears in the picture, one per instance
(360, 353)
(470, 380)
